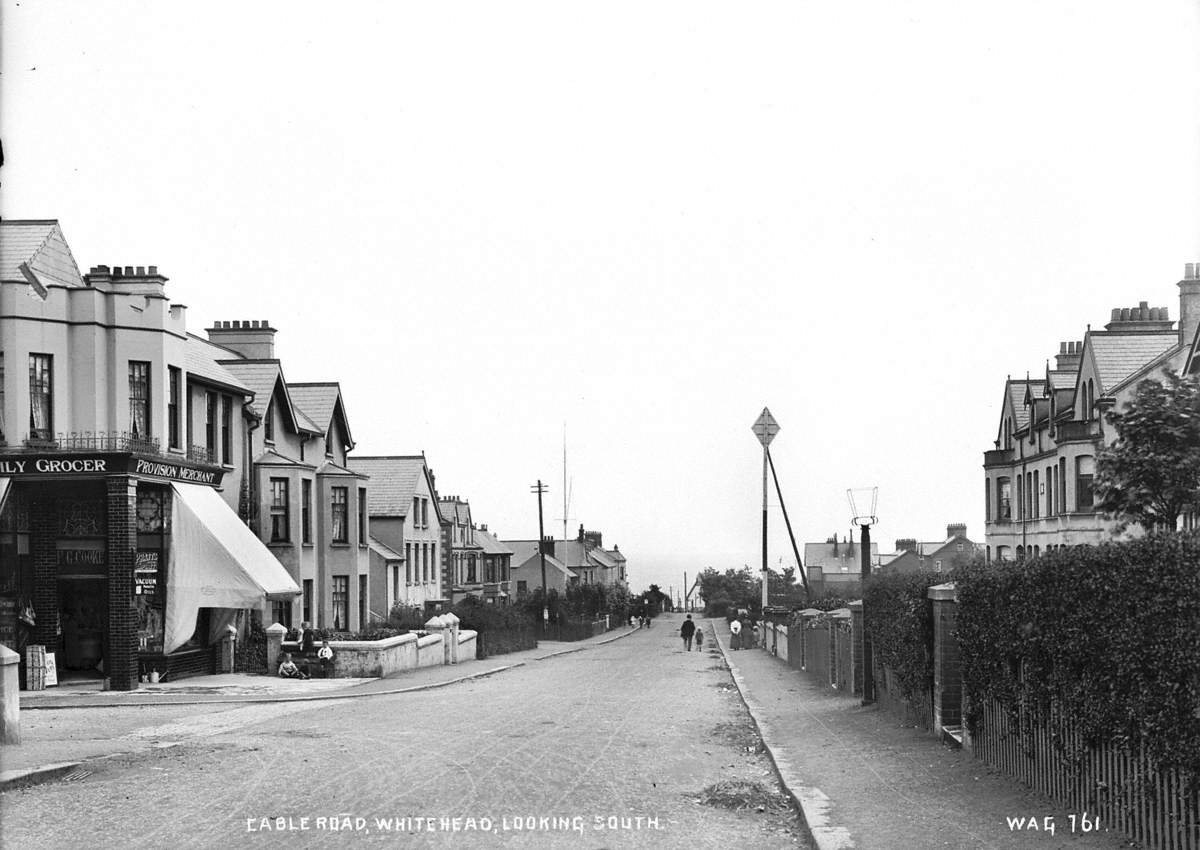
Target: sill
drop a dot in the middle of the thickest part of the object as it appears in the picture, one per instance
(339, 545)
(280, 544)
(307, 545)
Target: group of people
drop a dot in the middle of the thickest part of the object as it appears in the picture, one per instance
(289, 669)
(639, 621)
(689, 632)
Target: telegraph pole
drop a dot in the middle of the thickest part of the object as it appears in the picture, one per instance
(541, 488)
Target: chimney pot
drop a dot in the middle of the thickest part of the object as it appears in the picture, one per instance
(1062, 348)
(154, 270)
(141, 271)
(1189, 271)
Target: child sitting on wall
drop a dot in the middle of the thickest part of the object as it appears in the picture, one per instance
(288, 668)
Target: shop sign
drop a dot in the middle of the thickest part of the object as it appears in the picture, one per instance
(33, 466)
(82, 562)
(145, 573)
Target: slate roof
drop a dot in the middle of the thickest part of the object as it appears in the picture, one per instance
(394, 482)
(821, 555)
(525, 554)
(331, 468)
(572, 553)
(382, 549)
(490, 545)
(601, 558)
(40, 246)
(200, 359)
(1016, 394)
(317, 401)
(1063, 379)
(1119, 355)
(259, 375)
(273, 458)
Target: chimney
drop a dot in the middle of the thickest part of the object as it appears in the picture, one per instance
(906, 544)
(1069, 356)
(547, 547)
(956, 529)
(1143, 317)
(134, 281)
(1189, 303)
(579, 539)
(251, 338)
(835, 546)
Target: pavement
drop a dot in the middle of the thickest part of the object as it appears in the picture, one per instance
(34, 762)
(862, 779)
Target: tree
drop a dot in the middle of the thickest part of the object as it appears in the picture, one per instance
(732, 588)
(1151, 474)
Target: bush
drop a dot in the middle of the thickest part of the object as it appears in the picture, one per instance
(899, 622)
(501, 628)
(1109, 635)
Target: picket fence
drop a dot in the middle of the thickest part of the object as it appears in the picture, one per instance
(1121, 790)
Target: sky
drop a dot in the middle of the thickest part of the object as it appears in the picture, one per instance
(635, 225)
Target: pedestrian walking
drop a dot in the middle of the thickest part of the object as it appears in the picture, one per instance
(686, 631)
(700, 639)
(735, 633)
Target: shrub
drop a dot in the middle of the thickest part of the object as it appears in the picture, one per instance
(1109, 635)
(899, 621)
(501, 628)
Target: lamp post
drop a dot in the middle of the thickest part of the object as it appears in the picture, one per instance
(862, 513)
(765, 428)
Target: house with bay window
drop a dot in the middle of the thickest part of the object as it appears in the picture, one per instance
(406, 531)
(123, 463)
(1038, 477)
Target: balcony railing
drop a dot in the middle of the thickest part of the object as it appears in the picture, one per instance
(107, 441)
(997, 457)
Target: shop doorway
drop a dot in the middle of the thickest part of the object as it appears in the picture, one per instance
(83, 617)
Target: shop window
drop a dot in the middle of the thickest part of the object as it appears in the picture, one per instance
(1084, 473)
(341, 603)
(306, 510)
(174, 388)
(338, 514)
(41, 396)
(280, 512)
(362, 516)
(139, 399)
(227, 430)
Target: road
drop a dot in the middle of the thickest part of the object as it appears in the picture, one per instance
(619, 745)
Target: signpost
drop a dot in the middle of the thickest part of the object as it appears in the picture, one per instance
(765, 428)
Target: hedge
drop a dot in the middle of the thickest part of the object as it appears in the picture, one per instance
(1108, 635)
(898, 619)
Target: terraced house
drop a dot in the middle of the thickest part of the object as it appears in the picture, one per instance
(1038, 477)
(303, 500)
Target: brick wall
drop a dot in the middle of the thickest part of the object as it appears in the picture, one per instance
(44, 529)
(947, 676)
(121, 658)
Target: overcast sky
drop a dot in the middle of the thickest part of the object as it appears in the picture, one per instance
(640, 221)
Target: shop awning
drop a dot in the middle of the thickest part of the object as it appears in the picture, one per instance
(5, 484)
(216, 562)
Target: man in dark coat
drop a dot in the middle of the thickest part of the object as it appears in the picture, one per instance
(686, 631)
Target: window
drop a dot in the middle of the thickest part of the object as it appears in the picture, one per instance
(41, 397)
(408, 563)
(1085, 469)
(362, 516)
(2, 440)
(280, 530)
(305, 510)
(1062, 485)
(190, 423)
(308, 600)
(987, 498)
(470, 570)
(416, 513)
(395, 582)
(341, 602)
(281, 612)
(937, 566)
(174, 388)
(227, 430)
(522, 587)
(424, 513)
(338, 506)
(1003, 499)
(362, 602)
(139, 399)
(210, 426)
(269, 423)
(1036, 492)
(1020, 497)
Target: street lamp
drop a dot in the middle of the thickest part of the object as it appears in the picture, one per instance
(862, 513)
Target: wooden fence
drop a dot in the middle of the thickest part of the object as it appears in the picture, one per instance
(1120, 791)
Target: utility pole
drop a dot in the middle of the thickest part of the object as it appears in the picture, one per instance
(541, 488)
(765, 428)
(687, 594)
